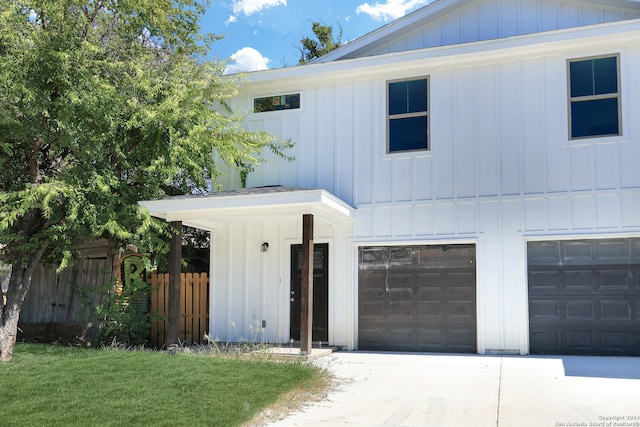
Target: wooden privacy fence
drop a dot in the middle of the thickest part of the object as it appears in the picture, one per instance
(194, 307)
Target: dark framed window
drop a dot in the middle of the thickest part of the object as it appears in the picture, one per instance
(276, 103)
(408, 115)
(594, 97)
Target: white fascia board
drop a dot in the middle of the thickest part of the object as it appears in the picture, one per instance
(619, 32)
(431, 11)
(216, 208)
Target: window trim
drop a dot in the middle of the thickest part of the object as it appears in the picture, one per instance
(390, 117)
(611, 95)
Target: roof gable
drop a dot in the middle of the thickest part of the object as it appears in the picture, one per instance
(449, 22)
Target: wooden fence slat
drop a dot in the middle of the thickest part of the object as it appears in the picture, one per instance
(165, 307)
(154, 309)
(188, 314)
(203, 297)
(194, 318)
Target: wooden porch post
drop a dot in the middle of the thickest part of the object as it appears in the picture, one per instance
(175, 257)
(306, 297)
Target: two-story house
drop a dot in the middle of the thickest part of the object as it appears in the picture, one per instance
(474, 173)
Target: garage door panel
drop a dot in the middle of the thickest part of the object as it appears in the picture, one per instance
(424, 298)
(460, 278)
(432, 340)
(577, 281)
(444, 256)
(544, 310)
(461, 339)
(580, 341)
(544, 280)
(461, 311)
(430, 281)
(577, 253)
(588, 300)
(615, 310)
(544, 341)
(400, 311)
(580, 310)
(613, 252)
(616, 279)
(544, 254)
(430, 311)
(371, 310)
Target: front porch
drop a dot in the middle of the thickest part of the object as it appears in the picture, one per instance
(253, 235)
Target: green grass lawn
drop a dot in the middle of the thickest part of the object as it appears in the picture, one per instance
(48, 385)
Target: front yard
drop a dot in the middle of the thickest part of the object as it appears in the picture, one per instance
(48, 385)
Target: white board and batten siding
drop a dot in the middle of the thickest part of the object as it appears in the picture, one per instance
(452, 22)
(500, 170)
(251, 287)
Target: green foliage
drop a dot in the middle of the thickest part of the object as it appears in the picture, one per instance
(323, 44)
(123, 316)
(48, 385)
(105, 103)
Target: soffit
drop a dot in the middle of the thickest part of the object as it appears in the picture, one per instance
(251, 204)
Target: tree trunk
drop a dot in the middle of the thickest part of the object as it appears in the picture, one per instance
(10, 312)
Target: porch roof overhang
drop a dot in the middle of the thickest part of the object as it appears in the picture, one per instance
(262, 203)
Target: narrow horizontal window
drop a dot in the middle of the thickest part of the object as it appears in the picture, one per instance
(276, 103)
(594, 97)
(408, 115)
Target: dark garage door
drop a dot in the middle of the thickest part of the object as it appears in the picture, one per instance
(417, 298)
(584, 297)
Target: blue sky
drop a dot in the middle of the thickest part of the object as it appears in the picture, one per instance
(260, 34)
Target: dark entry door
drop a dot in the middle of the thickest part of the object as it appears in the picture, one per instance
(320, 291)
(417, 298)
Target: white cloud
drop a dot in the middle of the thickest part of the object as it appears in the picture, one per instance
(247, 59)
(231, 20)
(249, 7)
(391, 9)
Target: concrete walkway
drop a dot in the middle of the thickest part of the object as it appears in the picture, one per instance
(392, 389)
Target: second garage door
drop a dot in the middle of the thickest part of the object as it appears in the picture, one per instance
(417, 298)
(584, 297)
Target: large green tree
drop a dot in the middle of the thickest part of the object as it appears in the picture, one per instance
(323, 43)
(104, 103)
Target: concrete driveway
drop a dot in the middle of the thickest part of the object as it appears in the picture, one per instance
(394, 389)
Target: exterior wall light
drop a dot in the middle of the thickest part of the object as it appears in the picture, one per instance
(264, 247)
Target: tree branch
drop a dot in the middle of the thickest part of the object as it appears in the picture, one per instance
(33, 161)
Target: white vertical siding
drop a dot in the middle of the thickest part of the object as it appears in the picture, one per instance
(306, 159)
(251, 286)
(326, 133)
(500, 169)
(508, 134)
(532, 125)
(496, 130)
(442, 125)
(422, 176)
(363, 137)
(464, 133)
(487, 158)
(492, 19)
(554, 127)
(344, 154)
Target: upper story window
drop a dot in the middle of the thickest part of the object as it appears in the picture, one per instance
(594, 97)
(276, 103)
(408, 115)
